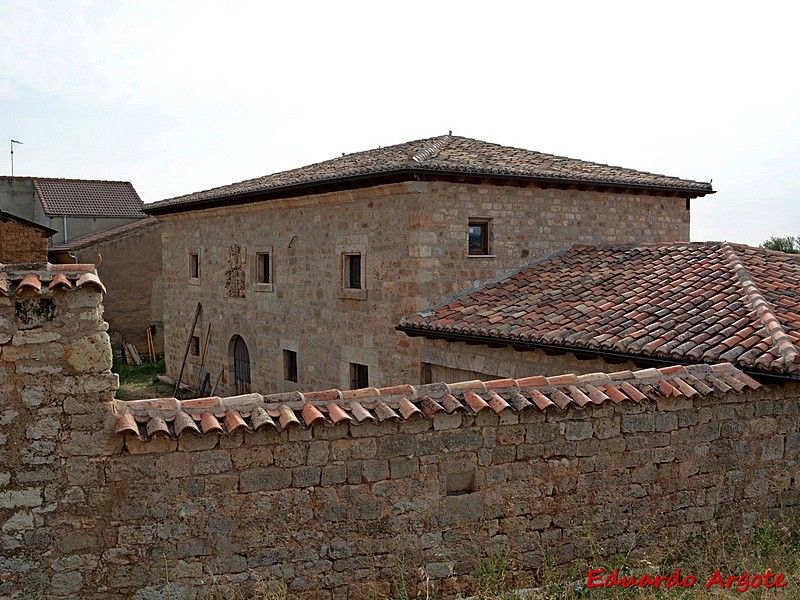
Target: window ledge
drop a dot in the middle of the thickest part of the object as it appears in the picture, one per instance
(481, 256)
(264, 287)
(194, 281)
(353, 294)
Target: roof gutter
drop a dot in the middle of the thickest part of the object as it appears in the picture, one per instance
(528, 345)
(404, 174)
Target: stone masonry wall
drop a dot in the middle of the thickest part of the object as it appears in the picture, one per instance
(131, 272)
(21, 244)
(55, 381)
(340, 511)
(413, 238)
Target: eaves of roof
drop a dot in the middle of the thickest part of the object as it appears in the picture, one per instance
(447, 157)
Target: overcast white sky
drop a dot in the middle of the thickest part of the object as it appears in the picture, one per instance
(182, 96)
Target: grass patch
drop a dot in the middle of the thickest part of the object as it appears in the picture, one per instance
(710, 557)
(137, 382)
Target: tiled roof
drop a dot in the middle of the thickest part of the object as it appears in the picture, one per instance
(445, 154)
(102, 236)
(44, 278)
(168, 417)
(682, 302)
(88, 198)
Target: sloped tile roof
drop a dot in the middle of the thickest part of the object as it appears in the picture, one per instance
(101, 236)
(684, 302)
(146, 420)
(445, 154)
(88, 198)
(44, 278)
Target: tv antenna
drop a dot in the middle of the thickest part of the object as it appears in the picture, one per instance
(12, 155)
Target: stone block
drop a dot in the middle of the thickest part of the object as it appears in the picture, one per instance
(467, 508)
(333, 475)
(210, 461)
(194, 443)
(633, 423)
(577, 430)
(318, 452)
(264, 479)
(251, 456)
(99, 443)
(541, 432)
(290, 455)
(66, 584)
(90, 354)
(375, 470)
(403, 467)
(305, 476)
(391, 446)
(444, 421)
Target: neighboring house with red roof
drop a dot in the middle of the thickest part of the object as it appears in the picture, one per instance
(128, 259)
(302, 275)
(22, 241)
(649, 304)
(72, 207)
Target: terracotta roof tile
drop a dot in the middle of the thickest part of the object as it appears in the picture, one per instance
(446, 154)
(682, 302)
(44, 278)
(146, 419)
(94, 238)
(88, 198)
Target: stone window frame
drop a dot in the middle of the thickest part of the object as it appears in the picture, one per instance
(287, 345)
(485, 224)
(258, 251)
(194, 254)
(352, 246)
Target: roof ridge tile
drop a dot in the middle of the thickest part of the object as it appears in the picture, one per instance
(762, 308)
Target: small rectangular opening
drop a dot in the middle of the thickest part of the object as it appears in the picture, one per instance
(290, 365)
(195, 346)
(458, 484)
(359, 376)
(263, 268)
(478, 237)
(194, 266)
(352, 271)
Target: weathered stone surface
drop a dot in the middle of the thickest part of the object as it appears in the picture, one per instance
(90, 354)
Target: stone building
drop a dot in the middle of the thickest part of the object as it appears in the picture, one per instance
(646, 305)
(21, 240)
(73, 207)
(303, 275)
(128, 258)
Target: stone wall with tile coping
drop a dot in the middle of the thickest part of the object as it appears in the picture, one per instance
(55, 381)
(336, 512)
(414, 239)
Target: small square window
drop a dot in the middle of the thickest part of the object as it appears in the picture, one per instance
(194, 266)
(478, 237)
(263, 274)
(352, 271)
(290, 365)
(359, 376)
(195, 346)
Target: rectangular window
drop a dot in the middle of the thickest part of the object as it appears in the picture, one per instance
(352, 271)
(195, 348)
(359, 376)
(263, 274)
(194, 266)
(478, 237)
(290, 365)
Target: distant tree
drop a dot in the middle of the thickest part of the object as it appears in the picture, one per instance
(789, 244)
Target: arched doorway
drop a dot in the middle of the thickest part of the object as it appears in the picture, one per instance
(240, 365)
